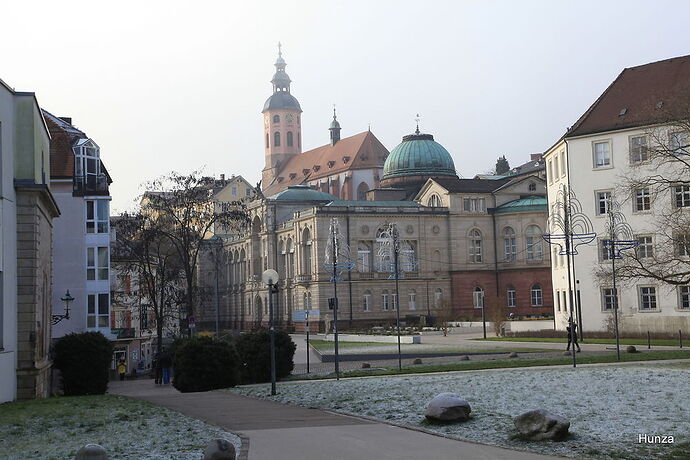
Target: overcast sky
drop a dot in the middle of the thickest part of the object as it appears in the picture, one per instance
(164, 85)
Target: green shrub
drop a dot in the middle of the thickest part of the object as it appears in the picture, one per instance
(205, 363)
(254, 349)
(83, 360)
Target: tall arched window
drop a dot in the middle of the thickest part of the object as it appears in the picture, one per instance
(276, 118)
(276, 139)
(385, 300)
(282, 259)
(434, 201)
(299, 139)
(510, 248)
(438, 298)
(366, 301)
(306, 252)
(537, 298)
(412, 299)
(362, 190)
(290, 259)
(478, 297)
(267, 140)
(475, 246)
(533, 242)
(364, 258)
(289, 139)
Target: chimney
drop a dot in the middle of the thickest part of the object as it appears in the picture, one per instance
(535, 157)
(66, 119)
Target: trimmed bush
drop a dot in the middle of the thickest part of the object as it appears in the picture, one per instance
(83, 360)
(254, 349)
(204, 364)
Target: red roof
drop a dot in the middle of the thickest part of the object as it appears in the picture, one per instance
(640, 96)
(361, 151)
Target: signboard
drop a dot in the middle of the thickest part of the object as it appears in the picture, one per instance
(300, 316)
(332, 302)
(192, 322)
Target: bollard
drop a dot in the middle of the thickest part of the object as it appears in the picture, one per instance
(91, 452)
(649, 342)
(680, 338)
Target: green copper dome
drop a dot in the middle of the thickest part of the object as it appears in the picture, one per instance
(303, 193)
(418, 155)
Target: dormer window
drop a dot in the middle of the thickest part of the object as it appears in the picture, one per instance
(532, 187)
(280, 179)
(346, 159)
(305, 171)
(316, 168)
(331, 164)
(293, 175)
(88, 175)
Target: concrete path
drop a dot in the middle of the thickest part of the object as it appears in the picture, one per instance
(286, 432)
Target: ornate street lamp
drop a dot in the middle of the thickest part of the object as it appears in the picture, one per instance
(66, 299)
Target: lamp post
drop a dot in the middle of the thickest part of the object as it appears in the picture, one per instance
(270, 277)
(66, 299)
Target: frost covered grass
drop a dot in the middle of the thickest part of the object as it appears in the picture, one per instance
(607, 406)
(327, 347)
(58, 427)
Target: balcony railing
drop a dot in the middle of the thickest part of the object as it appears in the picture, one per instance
(303, 278)
(91, 184)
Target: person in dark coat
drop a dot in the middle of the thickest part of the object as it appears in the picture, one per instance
(166, 364)
(572, 336)
(156, 369)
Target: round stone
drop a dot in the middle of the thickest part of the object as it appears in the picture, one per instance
(219, 449)
(91, 452)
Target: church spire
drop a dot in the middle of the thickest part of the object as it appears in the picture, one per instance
(334, 128)
(281, 80)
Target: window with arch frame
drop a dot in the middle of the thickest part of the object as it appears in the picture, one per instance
(510, 295)
(289, 138)
(276, 139)
(366, 301)
(475, 246)
(276, 118)
(533, 242)
(510, 247)
(478, 297)
(434, 201)
(537, 298)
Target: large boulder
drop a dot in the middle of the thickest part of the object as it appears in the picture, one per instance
(91, 452)
(219, 449)
(540, 424)
(448, 407)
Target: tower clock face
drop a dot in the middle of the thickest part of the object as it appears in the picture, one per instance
(289, 117)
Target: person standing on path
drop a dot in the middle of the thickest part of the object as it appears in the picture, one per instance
(122, 369)
(572, 336)
(166, 363)
(156, 369)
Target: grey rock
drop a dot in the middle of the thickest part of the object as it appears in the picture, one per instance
(448, 407)
(512, 354)
(464, 358)
(91, 452)
(631, 349)
(540, 424)
(219, 449)
(417, 361)
(366, 365)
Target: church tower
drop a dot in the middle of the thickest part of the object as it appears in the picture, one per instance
(282, 124)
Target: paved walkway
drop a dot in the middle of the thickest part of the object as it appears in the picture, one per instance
(286, 432)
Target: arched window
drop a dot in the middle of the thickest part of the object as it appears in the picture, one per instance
(510, 248)
(510, 295)
(366, 301)
(276, 139)
(438, 261)
(364, 257)
(276, 118)
(537, 298)
(533, 243)
(282, 259)
(306, 252)
(434, 201)
(475, 246)
(289, 139)
(290, 259)
(385, 300)
(299, 138)
(438, 298)
(267, 140)
(412, 299)
(362, 190)
(478, 297)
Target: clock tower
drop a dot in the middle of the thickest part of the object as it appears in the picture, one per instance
(282, 124)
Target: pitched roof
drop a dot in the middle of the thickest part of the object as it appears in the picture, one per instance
(639, 96)
(361, 151)
(454, 185)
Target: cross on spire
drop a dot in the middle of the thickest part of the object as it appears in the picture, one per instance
(280, 52)
(417, 120)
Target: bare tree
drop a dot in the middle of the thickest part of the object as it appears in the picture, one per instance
(498, 314)
(445, 315)
(185, 209)
(658, 181)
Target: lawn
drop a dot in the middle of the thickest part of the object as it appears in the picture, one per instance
(56, 428)
(327, 347)
(607, 406)
(654, 342)
(521, 361)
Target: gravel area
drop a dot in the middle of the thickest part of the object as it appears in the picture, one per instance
(608, 406)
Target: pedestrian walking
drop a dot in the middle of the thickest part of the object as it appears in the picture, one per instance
(122, 369)
(572, 336)
(166, 364)
(156, 369)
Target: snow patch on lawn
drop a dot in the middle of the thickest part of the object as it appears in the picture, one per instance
(607, 406)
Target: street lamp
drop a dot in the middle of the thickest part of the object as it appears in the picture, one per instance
(66, 299)
(270, 278)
